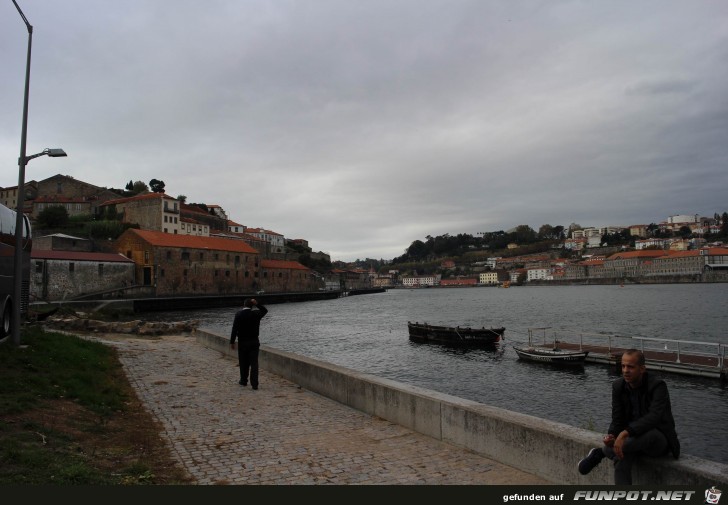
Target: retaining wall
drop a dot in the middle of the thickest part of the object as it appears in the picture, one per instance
(545, 448)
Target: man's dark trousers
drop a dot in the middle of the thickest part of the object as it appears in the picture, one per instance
(653, 443)
(248, 359)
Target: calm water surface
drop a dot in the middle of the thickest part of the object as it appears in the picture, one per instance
(369, 333)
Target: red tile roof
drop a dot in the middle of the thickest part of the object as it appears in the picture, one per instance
(62, 199)
(160, 239)
(145, 196)
(38, 254)
(714, 251)
(291, 265)
(646, 253)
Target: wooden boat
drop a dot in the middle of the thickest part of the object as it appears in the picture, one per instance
(554, 356)
(454, 335)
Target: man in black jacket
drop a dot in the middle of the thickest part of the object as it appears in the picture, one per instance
(642, 422)
(246, 328)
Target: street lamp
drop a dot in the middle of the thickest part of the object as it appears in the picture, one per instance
(22, 161)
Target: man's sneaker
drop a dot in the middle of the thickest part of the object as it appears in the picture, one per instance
(255, 388)
(592, 459)
(242, 383)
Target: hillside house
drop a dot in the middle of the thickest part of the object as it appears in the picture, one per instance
(176, 265)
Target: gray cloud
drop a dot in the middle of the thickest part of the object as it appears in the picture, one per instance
(362, 126)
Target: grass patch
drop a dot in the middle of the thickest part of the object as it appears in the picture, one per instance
(69, 416)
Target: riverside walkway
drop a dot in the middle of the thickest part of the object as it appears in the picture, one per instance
(224, 433)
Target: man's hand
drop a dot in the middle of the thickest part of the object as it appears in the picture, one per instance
(609, 440)
(619, 443)
(232, 346)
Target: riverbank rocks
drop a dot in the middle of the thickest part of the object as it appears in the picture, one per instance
(136, 327)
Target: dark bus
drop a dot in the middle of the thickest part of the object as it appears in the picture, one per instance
(8, 219)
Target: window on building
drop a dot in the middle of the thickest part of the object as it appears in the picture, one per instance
(256, 274)
(146, 256)
(59, 187)
(265, 275)
(247, 274)
(128, 254)
(216, 272)
(227, 273)
(185, 255)
(184, 273)
(237, 260)
(101, 269)
(39, 267)
(169, 255)
(217, 256)
(71, 267)
(161, 272)
(280, 274)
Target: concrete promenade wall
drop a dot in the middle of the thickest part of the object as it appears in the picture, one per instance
(545, 448)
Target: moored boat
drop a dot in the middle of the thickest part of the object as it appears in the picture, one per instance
(454, 335)
(553, 356)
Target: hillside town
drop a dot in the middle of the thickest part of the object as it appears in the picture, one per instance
(170, 248)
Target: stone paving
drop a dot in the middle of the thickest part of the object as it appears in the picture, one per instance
(224, 433)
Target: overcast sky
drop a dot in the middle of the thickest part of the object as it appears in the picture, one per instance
(364, 125)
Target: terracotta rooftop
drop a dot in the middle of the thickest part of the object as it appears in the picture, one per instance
(292, 265)
(160, 239)
(145, 196)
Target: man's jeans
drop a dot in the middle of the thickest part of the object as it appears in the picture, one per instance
(653, 444)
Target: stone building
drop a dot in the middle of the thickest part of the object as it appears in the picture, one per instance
(207, 217)
(279, 276)
(64, 275)
(79, 198)
(151, 211)
(174, 265)
(62, 242)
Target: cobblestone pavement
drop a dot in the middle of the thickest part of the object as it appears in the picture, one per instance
(224, 433)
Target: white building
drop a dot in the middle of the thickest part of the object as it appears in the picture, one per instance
(534, 274)
(488, 278)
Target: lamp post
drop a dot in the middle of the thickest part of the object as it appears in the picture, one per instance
(22, 161)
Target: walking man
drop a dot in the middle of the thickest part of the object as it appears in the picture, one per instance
(642, 422)
(246, 328)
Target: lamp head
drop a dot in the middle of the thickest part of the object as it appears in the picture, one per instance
(56, 153)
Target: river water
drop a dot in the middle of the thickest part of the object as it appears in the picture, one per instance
(369, 333)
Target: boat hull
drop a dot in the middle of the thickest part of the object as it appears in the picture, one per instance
(552, 357)
(455, 336)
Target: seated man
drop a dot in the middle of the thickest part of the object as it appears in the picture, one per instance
(642, 421)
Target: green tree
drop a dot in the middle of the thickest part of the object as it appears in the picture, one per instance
(139, 187)
(130, 185)
(182, 198)
(417, 250)
(157, 185)
(55, 216)
(724, 224)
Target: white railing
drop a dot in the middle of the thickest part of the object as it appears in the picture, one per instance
(681, 348)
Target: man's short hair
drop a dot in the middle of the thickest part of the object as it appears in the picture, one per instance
(248, 302)
(636, 352)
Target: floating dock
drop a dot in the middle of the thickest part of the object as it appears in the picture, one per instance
(687, 357)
